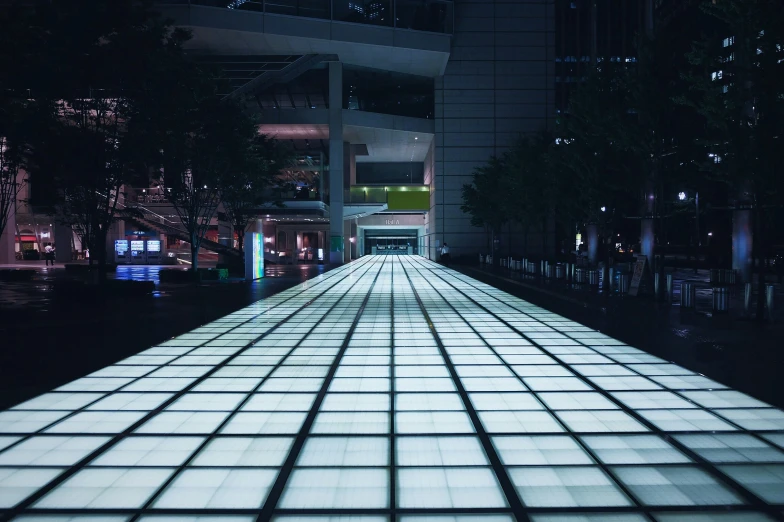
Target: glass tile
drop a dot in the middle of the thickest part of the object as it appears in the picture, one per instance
(448, 488)
(217, 488)
(505, 401)
(51, 451)
(428, 402)
(16, 484)
(675, 486)
(351, 423)
(566, 487)
(597, 517)
(686, 420)
(266, 423)
(519, 422)
(107, 488)
(456, 518)
(634, 449)
(765, 481)
(731, 447)
(577, 401)
(279, 402)
(724, 399)
(130, 401)
(440, 451)
(587, 421)
(97, 422)
(762, 419)
(735, 516)
(149, 451)
(433, 422)
(59, 401)
(540, 450)
(356, 402)
(244, 452)
(182, 422)
(344, 451)
(18, 421)
(336, 488)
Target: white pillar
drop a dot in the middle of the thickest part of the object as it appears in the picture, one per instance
(592, 231)
(336, 233)
(742, 237)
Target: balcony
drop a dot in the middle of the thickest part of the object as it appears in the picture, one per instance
(435, 16)
(401, 198)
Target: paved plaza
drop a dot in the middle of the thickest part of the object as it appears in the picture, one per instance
(392, 390)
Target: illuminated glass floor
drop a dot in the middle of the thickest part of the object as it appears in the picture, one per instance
(392, 389)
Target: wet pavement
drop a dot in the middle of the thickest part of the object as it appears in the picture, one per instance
(730, 348)
(46, 341)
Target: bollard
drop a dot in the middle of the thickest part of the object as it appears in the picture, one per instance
(747, 293)
(721, 299)
(541, 267)
(769, 292)
(559, 271)
(549, 271)
(656, 284)
(578, 275)
(623, 283)
(669, 288)
(593, 277)
(611, 286)
(688, 295)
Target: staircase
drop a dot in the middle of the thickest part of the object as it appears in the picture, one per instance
(180, 234)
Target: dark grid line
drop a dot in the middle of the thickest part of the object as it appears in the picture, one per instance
(276, 491)
(513, 500)
(637, 505)
(207, 440)
(702, 463)
(72, 470)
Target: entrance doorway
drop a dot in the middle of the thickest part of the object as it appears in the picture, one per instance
(395, 241)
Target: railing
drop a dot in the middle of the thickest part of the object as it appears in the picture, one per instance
(436, 16)
(401, 197)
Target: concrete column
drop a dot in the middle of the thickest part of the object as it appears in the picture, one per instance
(742, 238)
(647, 232)
(63, 238)
(592, 240)
(336, 151)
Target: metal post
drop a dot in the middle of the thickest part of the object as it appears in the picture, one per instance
(656, 284)
(611, 285)
(669, 288)
(688, 295)
(747, 293)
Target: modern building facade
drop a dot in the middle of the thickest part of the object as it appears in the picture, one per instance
(390, 105)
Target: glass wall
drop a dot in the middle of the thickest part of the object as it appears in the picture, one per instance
(408, 173)
(420, 15)
(388, 93)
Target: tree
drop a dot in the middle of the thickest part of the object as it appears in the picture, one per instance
(481, 196)
(247, 187)
(530, 189)
(736, 86)
(11, 182)
(209, 140)
(85, 140)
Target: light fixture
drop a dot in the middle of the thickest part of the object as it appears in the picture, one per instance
(710, 234)
(603, 209)
(681, 196)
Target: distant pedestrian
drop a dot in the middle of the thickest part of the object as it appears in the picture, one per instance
(445, 257)
(49, 254)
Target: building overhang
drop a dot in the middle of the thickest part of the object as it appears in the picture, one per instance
(387, 138)
(227, 31)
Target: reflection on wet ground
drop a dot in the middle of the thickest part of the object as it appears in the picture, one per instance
(47, 341)
(734, 350)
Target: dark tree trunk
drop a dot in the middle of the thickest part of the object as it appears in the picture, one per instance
(240, 238)
(194, 252)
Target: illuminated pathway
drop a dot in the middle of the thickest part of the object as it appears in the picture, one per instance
(392, 387)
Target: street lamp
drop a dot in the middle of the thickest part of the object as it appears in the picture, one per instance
(603, 209)
(682, 196)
